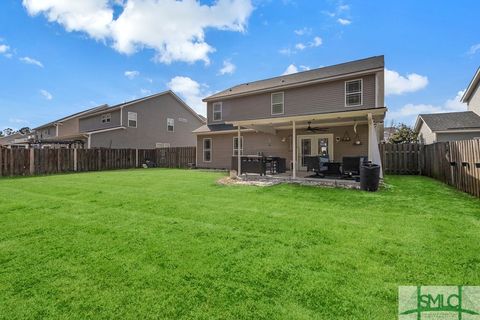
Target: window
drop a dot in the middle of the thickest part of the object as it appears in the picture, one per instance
(132, 119)
(217, 111)
(106, 118)
(235, 146)
(162, 145)
(207, 150)
(170, 124)
(277, 103)
(353, 93)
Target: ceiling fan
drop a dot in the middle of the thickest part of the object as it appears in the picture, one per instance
(314, 129)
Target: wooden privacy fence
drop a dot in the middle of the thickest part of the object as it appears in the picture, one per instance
(456, 163)
(401, 158)
(22, 162)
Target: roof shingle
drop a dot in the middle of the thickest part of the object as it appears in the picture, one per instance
(452, 120)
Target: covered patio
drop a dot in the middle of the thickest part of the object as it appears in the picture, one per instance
(335, 139)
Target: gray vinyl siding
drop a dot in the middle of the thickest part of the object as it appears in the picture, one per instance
(272, 145)
(310, 99)
(474, 103)
(425, 135)
(456, 136)
(47, 132)
(151, 128)
(94, 122)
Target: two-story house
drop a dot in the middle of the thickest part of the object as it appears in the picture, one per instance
(64, 132)
(336, 111)
(159, 120)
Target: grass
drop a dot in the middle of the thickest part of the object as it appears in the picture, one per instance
(159, 243)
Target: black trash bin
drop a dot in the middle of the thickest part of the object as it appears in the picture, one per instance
(369, 176)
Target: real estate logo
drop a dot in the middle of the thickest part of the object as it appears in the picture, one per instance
(438, 302)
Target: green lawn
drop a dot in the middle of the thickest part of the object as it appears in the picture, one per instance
(162, 243)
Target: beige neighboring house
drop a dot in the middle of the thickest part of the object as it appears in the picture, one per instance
(156, 121)
(336, 111)
(450, 126)
(64, 132)
(453, 126)
(14, 140)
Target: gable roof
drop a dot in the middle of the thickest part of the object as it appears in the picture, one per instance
(302, 78)
(472, 86)
(127, 103)
(78, 114)
(449, 121)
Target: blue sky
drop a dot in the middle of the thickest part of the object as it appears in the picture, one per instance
(59, 58)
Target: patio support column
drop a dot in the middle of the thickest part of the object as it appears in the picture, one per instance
(294, 150)
(373, 149)
(239, 158)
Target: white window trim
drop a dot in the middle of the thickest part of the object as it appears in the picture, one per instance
(361, 93)
(203, 149)
(221, 111)
(233, 146)
(173, 126)
(128, 119)
(283, 103)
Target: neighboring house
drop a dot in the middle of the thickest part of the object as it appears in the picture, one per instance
(14, 140)
(159, 120)
(275, 117)
(64, 132)
(388, 132)
(472, 95)
(451, 126)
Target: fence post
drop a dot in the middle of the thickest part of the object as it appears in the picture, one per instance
(75, 157)
(1, 161)
(32, 161)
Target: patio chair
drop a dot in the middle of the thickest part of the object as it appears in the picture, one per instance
(351, 165)
(317, 164)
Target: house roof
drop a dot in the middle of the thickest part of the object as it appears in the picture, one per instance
(215, 128)
(127, 103)
(302, 78)
(472, 86)
(449, 121)
(78, 114)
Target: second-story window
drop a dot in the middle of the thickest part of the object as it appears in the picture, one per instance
(277, 103)
(217, 111)
(353, 93)
(170, 124)
(106, 118)
(132, 119)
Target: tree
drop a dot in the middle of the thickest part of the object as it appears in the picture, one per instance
(403, 134)
(25, 130)
(8, 131)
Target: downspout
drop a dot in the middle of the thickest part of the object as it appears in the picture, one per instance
(121, 116)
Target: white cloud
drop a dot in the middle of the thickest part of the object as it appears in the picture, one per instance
(228, 67)
(317, 42)
(409, 112)
(145, 92)
(47, 95)
(175, 30)
(343, 7)
(474, 49)
(29, 60)
(18, 121)
(396, 84)
(300, 46)
(303, 31)
(191, 91)
(294, 69)
(4, 48)
(344, 22)
(131, 74)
